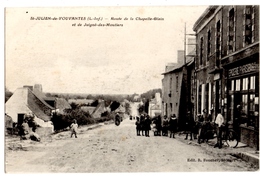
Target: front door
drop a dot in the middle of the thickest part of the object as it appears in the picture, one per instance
(20, 119)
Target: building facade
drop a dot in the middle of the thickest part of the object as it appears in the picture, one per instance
(178, 87)
(227, 67)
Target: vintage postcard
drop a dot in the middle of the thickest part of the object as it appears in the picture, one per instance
(127, 89)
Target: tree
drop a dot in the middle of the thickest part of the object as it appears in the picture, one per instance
(8, 94)
(114, 105)
(73, 105)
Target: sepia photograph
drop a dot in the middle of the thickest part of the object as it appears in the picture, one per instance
(131, 89)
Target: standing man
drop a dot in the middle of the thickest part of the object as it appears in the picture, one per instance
(24, 130)
(220, 124)
(147, 125)
(74, 128)
(159, 125)
(142, 122)
(189, 125)
(173, 125)
(237, 119)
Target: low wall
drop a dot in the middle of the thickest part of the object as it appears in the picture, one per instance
(249, 136)
(44, 132)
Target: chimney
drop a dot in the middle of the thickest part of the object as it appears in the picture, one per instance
(29, 87)
(38, 87)
(180, 57)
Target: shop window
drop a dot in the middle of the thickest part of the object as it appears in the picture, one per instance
(238, 85)
(244, 112)
(231, 106)
(232, 85)
(252, 102)
(245, 84)
(252, 82)
(252, 117)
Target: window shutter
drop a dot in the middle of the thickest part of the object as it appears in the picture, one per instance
(244, 27)
(253, 24)
(228, 32)
(234, 38)
(216, 36)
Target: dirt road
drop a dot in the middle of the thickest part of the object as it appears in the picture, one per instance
(113, 148)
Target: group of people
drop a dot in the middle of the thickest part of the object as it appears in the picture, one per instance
(169, 126)
(198, 129)
(143, 124)
(160, 127)
(25, 132)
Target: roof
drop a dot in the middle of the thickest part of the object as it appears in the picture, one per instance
(42, 100)
(89, 109)
(38, 106)
(81, 101)
(205, 15)
(189, 61)
(62, 104)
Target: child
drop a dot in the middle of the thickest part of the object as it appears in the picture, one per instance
(138, 126)
(74, 128)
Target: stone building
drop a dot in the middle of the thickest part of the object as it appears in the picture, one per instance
(227, 67)
(178, 87)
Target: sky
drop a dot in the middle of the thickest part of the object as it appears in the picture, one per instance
(99, 60)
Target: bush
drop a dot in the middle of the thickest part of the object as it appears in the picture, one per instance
(62, 121)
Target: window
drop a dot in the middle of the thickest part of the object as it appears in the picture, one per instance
(219, 93)
(170, 83)
(177, 83)
(252, 82)
(244, 106)
(207, 96)
(232, 85)
(245, 84)
(238, 85)
(209, 44)
(218, 40)
(201, 50)
(231, 31)
(248, 25)
(199, 99)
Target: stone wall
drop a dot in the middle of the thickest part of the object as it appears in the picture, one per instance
(250, 137)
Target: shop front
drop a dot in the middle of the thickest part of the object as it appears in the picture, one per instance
(242, 95)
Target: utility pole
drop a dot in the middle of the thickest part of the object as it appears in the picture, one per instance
(184, 44)
(186, 75)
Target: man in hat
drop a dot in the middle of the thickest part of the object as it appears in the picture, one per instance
(173, 125)
(189, 125)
